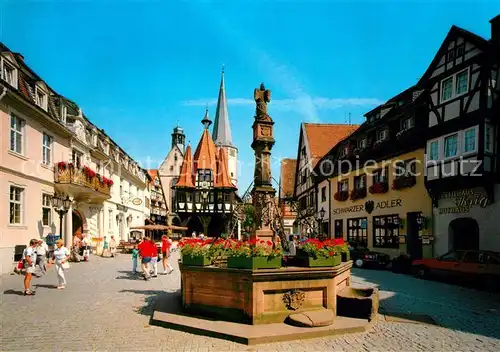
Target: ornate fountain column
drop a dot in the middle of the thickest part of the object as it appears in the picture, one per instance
(263, 192)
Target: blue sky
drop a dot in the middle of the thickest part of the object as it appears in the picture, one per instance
(138, 67)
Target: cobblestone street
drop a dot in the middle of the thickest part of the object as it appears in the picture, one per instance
(105, 308)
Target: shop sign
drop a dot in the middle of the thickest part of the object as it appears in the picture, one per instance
(121, 208)
(137, 201)
(369, 206)
(464, 200)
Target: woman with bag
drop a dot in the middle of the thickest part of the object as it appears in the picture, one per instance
(60, 257)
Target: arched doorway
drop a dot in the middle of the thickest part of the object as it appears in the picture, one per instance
(194, 224)
(463, 233)
(217, 226)
(78, 220)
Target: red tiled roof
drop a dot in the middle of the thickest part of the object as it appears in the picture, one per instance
(287, 177)
(153, 173)
(323, 137)
(205, 156)
(222, 178)
(186, 176)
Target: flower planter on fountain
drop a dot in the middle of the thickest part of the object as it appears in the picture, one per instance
(316, 253)
(196, 252)
(255, 254)
(253, 263)
(196, 260)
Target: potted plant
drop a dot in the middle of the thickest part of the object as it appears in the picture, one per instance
(195, 252)
(315, 253)
(254, 254)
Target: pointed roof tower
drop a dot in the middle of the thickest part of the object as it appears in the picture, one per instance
(205, 155)
(186, 175)
(223, 180)
(222, 131)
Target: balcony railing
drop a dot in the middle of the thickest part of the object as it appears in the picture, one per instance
(67, 173)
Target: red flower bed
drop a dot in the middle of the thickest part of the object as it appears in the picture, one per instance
(323, 249)
(88, 172)
(62, 165)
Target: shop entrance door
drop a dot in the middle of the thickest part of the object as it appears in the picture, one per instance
(463, 234)
(414, 242)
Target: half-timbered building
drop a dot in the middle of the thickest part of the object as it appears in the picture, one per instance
(315, 140)
(377, 193)
(204, 194)
(462, 173)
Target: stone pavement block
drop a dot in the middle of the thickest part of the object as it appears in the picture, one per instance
(106, 308)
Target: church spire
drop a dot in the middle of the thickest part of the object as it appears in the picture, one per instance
(222, 131)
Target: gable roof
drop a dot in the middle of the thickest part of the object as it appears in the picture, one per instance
(452, 33)
(287, 177)
(322, 137)
(205, 156)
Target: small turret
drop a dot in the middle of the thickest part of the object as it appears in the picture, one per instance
(178, 138)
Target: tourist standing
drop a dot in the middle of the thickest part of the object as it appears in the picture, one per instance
(29, 260)
(41, 256)
(166, 245)
(135, 257)
(145, 253)
(193, 234)
(112, 246)
(86, 248)
(61, 257)
(154, 258)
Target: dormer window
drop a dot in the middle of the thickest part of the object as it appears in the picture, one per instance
(455, 85)
(40, 98)
(362, 144)
(407, 123)
(344, 151)
(8, 72)
(64, 113)
(381, 135)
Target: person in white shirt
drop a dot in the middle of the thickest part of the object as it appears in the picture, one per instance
(60, 257)
(41, 256)
(29, 259)
(86, 248)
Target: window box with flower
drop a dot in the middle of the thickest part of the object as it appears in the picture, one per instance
(406, 181)
(358, 193)
(341, 196)
(315, 253)
(254, 254)
(379, 187)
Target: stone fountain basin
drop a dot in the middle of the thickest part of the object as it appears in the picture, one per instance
(263, 296)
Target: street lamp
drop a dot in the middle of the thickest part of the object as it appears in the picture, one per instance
(320, 221)
(61, 206)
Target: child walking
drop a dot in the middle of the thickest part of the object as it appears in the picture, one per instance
(135, 257)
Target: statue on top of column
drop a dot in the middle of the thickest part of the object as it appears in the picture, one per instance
(262, 96)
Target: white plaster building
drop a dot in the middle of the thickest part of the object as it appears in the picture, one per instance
(49, 146)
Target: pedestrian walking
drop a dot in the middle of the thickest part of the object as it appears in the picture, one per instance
(166, 245)
(135, 257)
(29, 260)
(86, 248)
(105, 246)
(112, 246)
(154, 259)
(145, 253)
(41, 256)
(61, 257)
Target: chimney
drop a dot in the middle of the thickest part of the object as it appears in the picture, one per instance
(495, 29)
